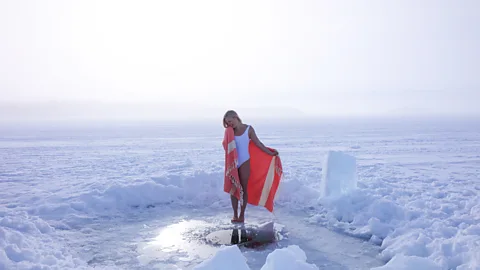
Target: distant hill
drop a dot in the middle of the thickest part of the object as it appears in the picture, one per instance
(79, 111)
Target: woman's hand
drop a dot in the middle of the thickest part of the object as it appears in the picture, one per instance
(273, 152)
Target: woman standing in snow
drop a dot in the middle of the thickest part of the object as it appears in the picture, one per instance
(243, 134)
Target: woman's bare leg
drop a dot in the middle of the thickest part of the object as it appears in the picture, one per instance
(234, 206)
(244, 173)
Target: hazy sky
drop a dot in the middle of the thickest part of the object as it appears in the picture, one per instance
(320, 57)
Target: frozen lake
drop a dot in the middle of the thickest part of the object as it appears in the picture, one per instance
(143, 196)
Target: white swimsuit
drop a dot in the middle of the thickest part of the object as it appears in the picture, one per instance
(242, 142)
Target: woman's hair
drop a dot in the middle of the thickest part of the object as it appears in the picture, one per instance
(230, 113)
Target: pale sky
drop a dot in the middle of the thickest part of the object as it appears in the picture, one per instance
(318, 57)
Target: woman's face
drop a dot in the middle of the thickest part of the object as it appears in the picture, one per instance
(231, 122)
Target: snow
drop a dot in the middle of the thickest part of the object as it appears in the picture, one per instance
(339, 175)
(84, 198)
(402, 262)
(26, 242)
(291, 257)
(228, 257)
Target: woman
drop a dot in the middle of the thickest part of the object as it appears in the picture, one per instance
(243, 134)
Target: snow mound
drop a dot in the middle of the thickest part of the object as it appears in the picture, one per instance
(339, 175)
(291, 257)
(201, 189)
(402, 262)
(198, 189)
(422, 227)
(227, 257)
(27, 242)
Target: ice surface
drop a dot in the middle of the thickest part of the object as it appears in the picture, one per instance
(84, 199)
(339, 174)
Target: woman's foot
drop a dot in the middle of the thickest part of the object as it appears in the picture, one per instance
(237, 220)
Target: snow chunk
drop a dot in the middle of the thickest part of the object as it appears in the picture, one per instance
(291, 257)
(339, 175)
(226, 258)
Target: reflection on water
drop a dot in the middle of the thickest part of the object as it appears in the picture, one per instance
(239, 237)
(249, 238)
(177, 243)
(171, 238)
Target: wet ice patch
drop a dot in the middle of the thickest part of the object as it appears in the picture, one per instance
(189, 241)
(177, 243)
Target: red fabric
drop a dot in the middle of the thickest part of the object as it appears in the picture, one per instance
(232, 180)
(260, 163)
(258, 183)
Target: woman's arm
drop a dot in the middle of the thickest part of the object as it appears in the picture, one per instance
(258, 143)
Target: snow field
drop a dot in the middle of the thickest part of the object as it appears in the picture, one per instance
(417, 196)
